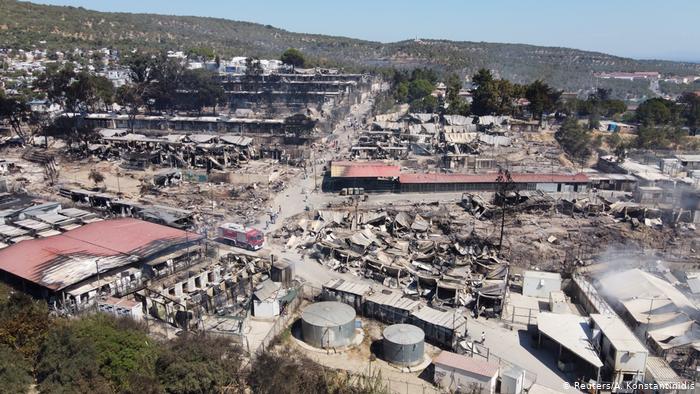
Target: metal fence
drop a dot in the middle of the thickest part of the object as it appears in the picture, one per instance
(520, 315)
(593, 301)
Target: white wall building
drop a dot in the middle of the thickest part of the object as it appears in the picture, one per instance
(622, 353)
(458, 373)
(540, 283)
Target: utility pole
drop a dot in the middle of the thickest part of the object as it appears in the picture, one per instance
(651, 307)
(505, 184)
(313, 164)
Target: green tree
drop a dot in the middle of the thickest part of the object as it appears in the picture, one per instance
(425, 104)
(130, 97)
(543, 98)
(506, 93)
(419, 89)
(167, 76)
(16, 112)
(482, 77)
(456, 105)
(485, 100)
(104, 93)
(656, 111)
(690, 102)
(294, 58)
(203, 53)
(15, 371)
(199, 364)
(574, 139)
(402, 92)
(652, 136)
(95, 354)
(199, 89)
(24, 323)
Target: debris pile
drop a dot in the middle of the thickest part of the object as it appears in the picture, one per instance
(420, 250)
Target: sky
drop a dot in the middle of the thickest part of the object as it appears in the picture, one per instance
(641, 29)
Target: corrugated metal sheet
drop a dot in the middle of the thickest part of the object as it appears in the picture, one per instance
(449, 320)
(661, 371)
(348, 287)
(65, 259)
(394, 300)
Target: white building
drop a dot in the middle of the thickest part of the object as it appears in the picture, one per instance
(624, 357)
(539, 283)
(266, 302)
(458, 373)
(557, 302)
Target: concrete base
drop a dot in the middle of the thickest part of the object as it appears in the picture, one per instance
(359, 337)
(414, 368)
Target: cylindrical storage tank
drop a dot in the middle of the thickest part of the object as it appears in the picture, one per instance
(328, 324)
(403, 344)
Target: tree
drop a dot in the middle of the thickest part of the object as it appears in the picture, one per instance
(506, 93)
(658, 137)
(199, 89)
(104, 92)
(418, 89)
(543, 98)
(203, 53)
(294, 373)
(15, 371)
(482, 77)
(656, 111)
(54, 83)
(456, 105)
(15, 111)
(141, 68)
(162, 90)
(96, 176)
(613, 140)
(24, 323)
(690, 102)
(130, 97)
(485, 99)
(199, 364)
(253, 68)
(95, 354)
(426, 104)
(574, 139)
(294, 58)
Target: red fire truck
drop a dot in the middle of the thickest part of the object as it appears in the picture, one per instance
(241, 236)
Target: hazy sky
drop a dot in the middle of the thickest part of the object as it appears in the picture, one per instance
(667, 29)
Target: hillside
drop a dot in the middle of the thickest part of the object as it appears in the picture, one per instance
(23, 25)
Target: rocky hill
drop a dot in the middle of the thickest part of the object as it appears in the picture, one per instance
(24, 25)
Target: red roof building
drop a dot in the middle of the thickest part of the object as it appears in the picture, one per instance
(488, 182)
(491, 178)
(63, 260)
(364, 169)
